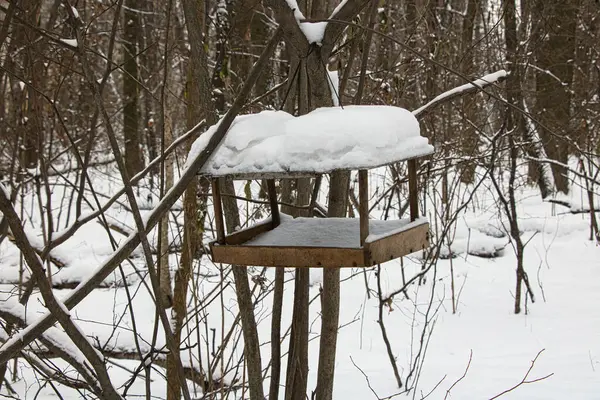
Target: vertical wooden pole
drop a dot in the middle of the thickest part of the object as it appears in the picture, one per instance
(273, 202)
(413, 190)
(363, 207)
(315, 195)
(218, 211)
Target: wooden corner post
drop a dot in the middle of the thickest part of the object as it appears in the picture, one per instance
(363, 198)
(273, 202)
(413, 190)
(218, 206)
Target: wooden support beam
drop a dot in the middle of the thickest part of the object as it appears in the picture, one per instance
(273, 202)
(218, 205)
(363, 196)
(315, 195)
(413, 190)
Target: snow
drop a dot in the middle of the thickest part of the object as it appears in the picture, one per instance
(54, 335)
(561, 262)
(294, 6)
(327, 139)
(381, 229)
(75, 12)
(90, 247)
(314, 31)
(328, 232)
(70, 42)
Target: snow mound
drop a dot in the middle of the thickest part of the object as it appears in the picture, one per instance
(327, 139)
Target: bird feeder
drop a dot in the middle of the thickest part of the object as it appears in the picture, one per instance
(275, 145)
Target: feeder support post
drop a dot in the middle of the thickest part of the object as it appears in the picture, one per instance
(363, 198)
(413, 190)
(273, 202)
(218, 206)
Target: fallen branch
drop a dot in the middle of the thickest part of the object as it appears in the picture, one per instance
(48, 257)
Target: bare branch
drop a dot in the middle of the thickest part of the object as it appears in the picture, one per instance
(348, 10)
(461, 378)
(525, 381)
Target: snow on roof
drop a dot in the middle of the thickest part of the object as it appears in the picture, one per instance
(277, 144)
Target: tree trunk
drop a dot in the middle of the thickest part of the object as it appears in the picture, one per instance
(469, 139)
(557, 22)
(199, 106)
(30, 121)
(164, 273)
(245, 304)
(232, 220)
(514, 96)
(150, 59)
(134, 161)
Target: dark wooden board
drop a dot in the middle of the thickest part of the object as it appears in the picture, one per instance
(244, 235)
(382, 250)
(398, 245)
(288, 256)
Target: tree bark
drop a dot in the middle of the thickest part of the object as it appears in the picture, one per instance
(200, 107)
(514, 96)
(469, 139)
(557, 23)
(134, 160)
(245, 305)
(28, 108)
(164, 273)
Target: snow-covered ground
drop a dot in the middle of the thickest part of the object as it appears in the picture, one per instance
(563, 267)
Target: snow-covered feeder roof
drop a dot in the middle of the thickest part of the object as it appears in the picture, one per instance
(275, 144)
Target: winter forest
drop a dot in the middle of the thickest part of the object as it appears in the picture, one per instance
(299, 199)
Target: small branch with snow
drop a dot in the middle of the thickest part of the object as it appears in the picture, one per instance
(461, 90)
(565, 166)
(69, 42)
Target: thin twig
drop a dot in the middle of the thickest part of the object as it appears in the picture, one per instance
(461, 378)
(524, 381)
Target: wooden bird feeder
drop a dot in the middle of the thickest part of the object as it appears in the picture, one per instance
(283, 241)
